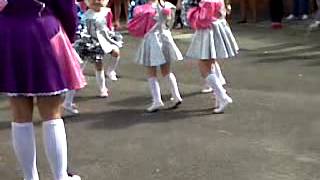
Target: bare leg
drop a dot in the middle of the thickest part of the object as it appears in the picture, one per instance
(22, 109)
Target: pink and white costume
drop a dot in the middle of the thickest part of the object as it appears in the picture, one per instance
(213, 38)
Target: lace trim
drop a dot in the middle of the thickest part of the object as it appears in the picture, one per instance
(38, 94)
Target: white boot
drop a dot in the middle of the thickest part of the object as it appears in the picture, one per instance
(24, 145)
(206, 89)
(156, 95)
(111, 72)
(68, 104)
(222, 96)
(217, 70)
(55, 143)
(101, 81)
(174, 89)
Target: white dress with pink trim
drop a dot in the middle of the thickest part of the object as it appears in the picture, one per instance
(213, 38)
(158, 47)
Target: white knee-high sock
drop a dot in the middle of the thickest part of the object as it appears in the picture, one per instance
(68, 100)
(24, 145)
(101, 80)
(174, 87)
(113, 64)
(155, 90)
(217, 70)
(55, 142)
(216, 84)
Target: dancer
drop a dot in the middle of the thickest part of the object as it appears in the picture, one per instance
(212, 40)
(68, 103)
(316, 23)
(38, 62)
(157, 48)
(98, 40)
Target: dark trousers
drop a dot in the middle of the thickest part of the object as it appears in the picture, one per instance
(276, 10)
(301, 7)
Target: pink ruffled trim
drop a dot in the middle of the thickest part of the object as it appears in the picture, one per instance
(38, 94)
(202, 17)
(68, 61)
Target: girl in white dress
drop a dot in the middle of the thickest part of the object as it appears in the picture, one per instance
(158, 49)
(99, 39)
(212, 40)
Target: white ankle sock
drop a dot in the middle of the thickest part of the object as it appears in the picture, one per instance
(54, 137)
(155, 90)
(217, 70)
(113, 64)
(101, 80)
(174, 87)
(68, 100)
(23, 140)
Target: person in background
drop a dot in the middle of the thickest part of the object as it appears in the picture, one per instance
(300, 9)
(178, 23)
(316, 23)
(276, 13)
(246, 7)
(117, 11)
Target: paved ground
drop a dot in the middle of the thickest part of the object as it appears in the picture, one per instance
(271, 132)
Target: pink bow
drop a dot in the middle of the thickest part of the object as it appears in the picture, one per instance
(142, 20)
(201, 17)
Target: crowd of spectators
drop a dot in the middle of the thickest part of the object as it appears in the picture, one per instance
(300, 10)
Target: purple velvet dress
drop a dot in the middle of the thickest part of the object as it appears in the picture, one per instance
(36, 56)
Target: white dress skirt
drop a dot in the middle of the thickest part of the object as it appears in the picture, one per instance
(158, 47)
(217, 42)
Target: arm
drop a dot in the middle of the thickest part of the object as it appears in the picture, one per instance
(65, 11)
